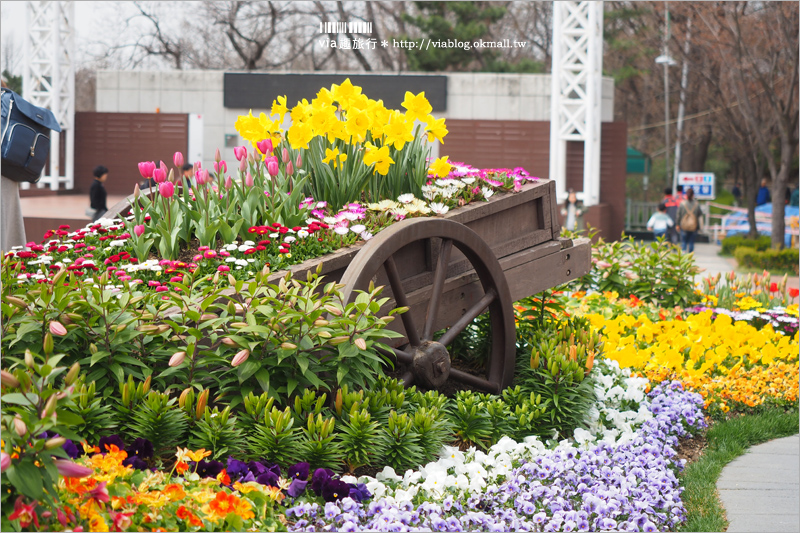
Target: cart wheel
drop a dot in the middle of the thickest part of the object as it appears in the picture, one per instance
(428, 360)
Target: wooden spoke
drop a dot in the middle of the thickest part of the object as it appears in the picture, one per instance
(397, 354)
(408, 379)
(467, 317)
(474, 381)
(437, 288)
(401, 300)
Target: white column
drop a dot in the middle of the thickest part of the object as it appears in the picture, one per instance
(576, 92)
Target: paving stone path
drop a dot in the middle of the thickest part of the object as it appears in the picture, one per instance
(760, 490)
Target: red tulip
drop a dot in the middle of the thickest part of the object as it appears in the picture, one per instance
(178, 159)
(57, 328)
(773, 287)
(146, 169)
(139, 230)
(265, 146)
(167, 189)
(794, 293)
(159, 175)
(240, 152)
(70, 469)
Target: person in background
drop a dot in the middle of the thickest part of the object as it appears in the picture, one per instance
(660, 222)
(763, 197)
(97, 193)
(13, 225)
(572, 211)
(737, 194)
(188, 170)
(689, 214)
(671, 203)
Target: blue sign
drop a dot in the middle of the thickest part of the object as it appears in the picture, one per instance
(701, 182)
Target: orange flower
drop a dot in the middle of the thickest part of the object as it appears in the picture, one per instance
(174, 492)
(223, 477)
(225, 503)
(181, 467)
(185, 514)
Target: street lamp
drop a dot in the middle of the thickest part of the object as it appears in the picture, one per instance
(667, 61)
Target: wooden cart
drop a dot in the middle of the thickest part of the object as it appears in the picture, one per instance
(452, 268)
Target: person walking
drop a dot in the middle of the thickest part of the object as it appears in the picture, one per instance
(763, 197)
(572, 211)
(671, 203)
(737, 194)
(689, 214)
(97, 193)
(660, 222)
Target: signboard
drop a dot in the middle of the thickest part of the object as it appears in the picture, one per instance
(701, 182)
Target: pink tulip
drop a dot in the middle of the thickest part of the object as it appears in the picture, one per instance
(70, 469)
(265, 146)
(240, 152)
(217, 156)
(248, 180)
(201, 176)
(159, 175)
(289, 169)
(139, 230)
(228, 182)
(177, 358)
(146, 169)
(285, 154)
(167, 189)
(216, 167)
(178, 159)
(162, 166)
(299, 161)
(240, 357)
(243, 164)
(57, 328)
(5, 461)
(272, 168)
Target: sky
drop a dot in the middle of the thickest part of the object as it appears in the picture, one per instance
(91, 26)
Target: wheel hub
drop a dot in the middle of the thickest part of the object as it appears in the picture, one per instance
(431, 364)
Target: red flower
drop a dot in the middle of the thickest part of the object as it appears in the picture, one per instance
(263, 243)
(794, 293)
(250, 251)
(252, 229)
(25, 513)
(63, 226)
(260, 248)
(276, 225)
(283, 230)
(773, 287)
(296, 228)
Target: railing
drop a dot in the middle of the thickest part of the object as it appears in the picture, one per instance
(637, 214)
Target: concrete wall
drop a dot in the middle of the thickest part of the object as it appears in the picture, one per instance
(469, 96)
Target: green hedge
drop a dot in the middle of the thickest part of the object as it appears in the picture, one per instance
(780, 260)
(730, 244)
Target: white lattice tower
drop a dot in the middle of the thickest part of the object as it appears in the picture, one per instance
(48, 80)
(576, 86)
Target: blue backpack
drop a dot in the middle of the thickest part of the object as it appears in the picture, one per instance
(25, 132)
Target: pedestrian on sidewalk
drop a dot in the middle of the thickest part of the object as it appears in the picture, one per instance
(763, 197)
(97, 193)
(671, 202)
(689, 214)
(660, 222)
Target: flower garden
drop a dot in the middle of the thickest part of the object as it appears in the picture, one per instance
(154, 379)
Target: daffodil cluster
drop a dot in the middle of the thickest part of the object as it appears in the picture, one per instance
(350, 140)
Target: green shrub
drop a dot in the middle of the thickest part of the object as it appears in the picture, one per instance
(403, 450)
(96, 412)
(554, 364)
(318, 445)
(730, 244)
(655, 272)
(781, 260)
(159, 420)
(277, 439)
(362, 440)
(217, 432)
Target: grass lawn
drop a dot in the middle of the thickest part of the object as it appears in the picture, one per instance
(726, 441)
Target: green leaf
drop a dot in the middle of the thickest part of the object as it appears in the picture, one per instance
(20, 398)
(262, 376)
(247, 369)
(26, 478)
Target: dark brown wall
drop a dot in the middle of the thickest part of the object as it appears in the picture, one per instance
(119, 141)
(511, 143)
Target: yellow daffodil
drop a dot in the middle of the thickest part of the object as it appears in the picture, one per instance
(417, 107)
(378, 157)
(435, 129)
(440, 167)
(279, 107)
(357, 124)
(299, 135)
(345, 92)
(334, 155)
